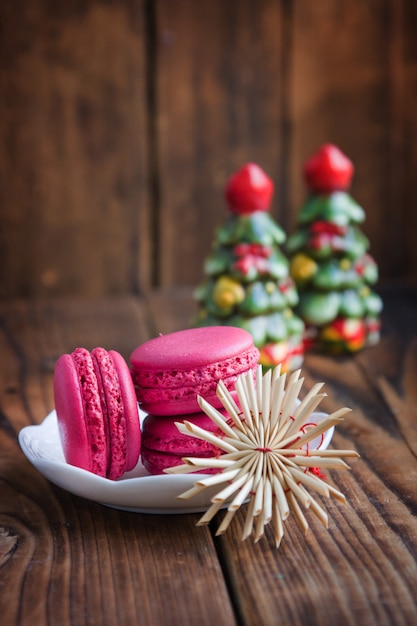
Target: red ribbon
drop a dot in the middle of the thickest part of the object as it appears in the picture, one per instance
(251, 255)
(253, 249)
(328, 228)
(326, 234)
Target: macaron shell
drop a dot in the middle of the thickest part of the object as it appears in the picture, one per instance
(183, 399)
(130, 408)
(174, 403)
(156, 462)
(171, 370)
(160, 433)
(203, 377)
(163, 445)
(79, 414)
(70, 414)
(191, 348)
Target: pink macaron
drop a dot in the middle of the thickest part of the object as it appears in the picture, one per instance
(97, 412)
(163, 445)
(171, 370)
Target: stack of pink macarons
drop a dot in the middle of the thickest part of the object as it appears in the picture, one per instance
(170, 372)
(96, 398)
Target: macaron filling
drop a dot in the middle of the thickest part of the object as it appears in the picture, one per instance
(157, 462)
(113, 412)
(93, 414)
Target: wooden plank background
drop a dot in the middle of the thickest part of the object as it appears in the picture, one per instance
(120, 121)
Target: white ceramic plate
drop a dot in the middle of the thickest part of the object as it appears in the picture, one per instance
(137, 491)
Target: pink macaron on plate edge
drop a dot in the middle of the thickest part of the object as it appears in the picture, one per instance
(137, 491)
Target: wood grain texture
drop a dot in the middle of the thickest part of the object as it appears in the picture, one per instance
(75, 214)
(171, 309)
(219, 89)
(408, 125)
(67, 561)
(352, 86)
(120, 122)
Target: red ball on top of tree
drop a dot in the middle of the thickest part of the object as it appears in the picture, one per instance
(249, 190)
(328, 170)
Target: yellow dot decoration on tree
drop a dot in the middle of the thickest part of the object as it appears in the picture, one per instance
(302, 267)
(228, 292)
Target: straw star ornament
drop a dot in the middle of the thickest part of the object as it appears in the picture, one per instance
(270, 454)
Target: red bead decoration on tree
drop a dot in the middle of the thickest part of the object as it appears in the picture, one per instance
(251, 255)
(249, 190)
(328, 170)
(328, 228)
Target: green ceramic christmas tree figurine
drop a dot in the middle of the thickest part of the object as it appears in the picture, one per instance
(247, 276)
(329, 260)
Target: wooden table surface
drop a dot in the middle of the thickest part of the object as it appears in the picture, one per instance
(68, 561)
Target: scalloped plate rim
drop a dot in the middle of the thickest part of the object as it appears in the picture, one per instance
(137, 491)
